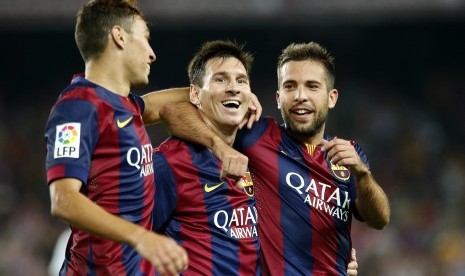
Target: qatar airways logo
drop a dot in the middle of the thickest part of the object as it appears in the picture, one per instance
(321, 196)
(241, 223)
(141, 159)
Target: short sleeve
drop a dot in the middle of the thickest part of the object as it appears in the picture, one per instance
(71, 135)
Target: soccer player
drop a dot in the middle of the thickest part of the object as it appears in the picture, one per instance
(99, 156)
(307, 184)
(213, 220)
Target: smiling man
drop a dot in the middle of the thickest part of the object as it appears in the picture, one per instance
(99, 156)
(213, 220)
(308, 184)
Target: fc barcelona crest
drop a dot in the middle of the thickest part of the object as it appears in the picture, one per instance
(340, 172)
(247, 184)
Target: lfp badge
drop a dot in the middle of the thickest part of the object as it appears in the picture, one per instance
(67, 140)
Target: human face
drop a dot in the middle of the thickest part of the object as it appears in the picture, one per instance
(139, 53)
(224, 97)
(304, 99)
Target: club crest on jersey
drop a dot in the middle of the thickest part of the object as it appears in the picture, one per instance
(67, 140)
(340, 172)
(247, 184)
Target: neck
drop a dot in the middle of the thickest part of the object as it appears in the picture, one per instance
(105, 73)
(314, 139)
(227, 134)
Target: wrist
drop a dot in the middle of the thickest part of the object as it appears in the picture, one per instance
(216, 143)
(360, 174)
(136, 237)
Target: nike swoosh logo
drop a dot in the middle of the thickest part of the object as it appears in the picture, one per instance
(211, 188)
(122, 124)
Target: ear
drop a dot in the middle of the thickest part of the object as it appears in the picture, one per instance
(194, 94)
(118, 36)
(277, 99)
(332, 98)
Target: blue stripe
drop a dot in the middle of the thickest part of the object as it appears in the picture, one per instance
(295, 223)
(209, 172)
(90, 262)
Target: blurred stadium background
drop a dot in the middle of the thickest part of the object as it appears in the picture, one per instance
(401, 77)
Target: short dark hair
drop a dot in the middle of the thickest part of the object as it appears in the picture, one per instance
(95, 20)
(309, 51)
(216, 49)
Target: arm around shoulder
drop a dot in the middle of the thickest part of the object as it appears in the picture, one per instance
(185, 122)
(155, 101)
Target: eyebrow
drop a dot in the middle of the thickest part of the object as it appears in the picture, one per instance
(224, 73)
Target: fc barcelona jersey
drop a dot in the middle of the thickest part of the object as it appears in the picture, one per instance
(305, 203)
(212, 219)
(98, 137)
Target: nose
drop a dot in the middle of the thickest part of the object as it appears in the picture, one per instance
(152, 55)
(233, 88)
(300, 95)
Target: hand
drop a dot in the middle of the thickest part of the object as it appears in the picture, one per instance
(254, 113)
(342, 153)
(164, 253)
(353, 265)
(234, 163)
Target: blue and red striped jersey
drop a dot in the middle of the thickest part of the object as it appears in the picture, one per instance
(212, 219)
(305, 203)
(98, 137)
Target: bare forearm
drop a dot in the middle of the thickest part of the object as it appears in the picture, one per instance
(81, 212)
(372, 202)
(154, 102)
(184, 121)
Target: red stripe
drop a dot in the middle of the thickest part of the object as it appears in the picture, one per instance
(268, 204)
(200, 248)
(321, 250)
(55, 173)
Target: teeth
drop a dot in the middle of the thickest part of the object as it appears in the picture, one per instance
(231, 103)
(301, 111)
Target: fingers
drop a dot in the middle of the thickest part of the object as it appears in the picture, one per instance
(234, 166)
(256, 107)
(244, 122)
(353, 265)
(353, 254)
(252, 119)
(340, 152)
(177, 259)
(254, 113)
(164, 253)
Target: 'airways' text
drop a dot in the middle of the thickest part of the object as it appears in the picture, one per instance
(321, 196)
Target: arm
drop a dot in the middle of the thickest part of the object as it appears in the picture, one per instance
(154, 102)
(371, 202)
(184, 121)
(70, 205)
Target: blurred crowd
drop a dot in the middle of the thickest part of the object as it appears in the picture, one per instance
(414, 139)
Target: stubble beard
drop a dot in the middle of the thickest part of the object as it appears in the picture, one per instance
(304, 129)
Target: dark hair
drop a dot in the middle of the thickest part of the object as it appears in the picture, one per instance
(309, 51)
(216, 49)
(95, 20)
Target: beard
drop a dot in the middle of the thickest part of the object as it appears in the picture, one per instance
(307, 129)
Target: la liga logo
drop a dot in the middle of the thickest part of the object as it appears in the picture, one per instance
(67, 140)
(68, 134)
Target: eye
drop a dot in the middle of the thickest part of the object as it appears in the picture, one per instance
(288, 86)
(313, 86)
